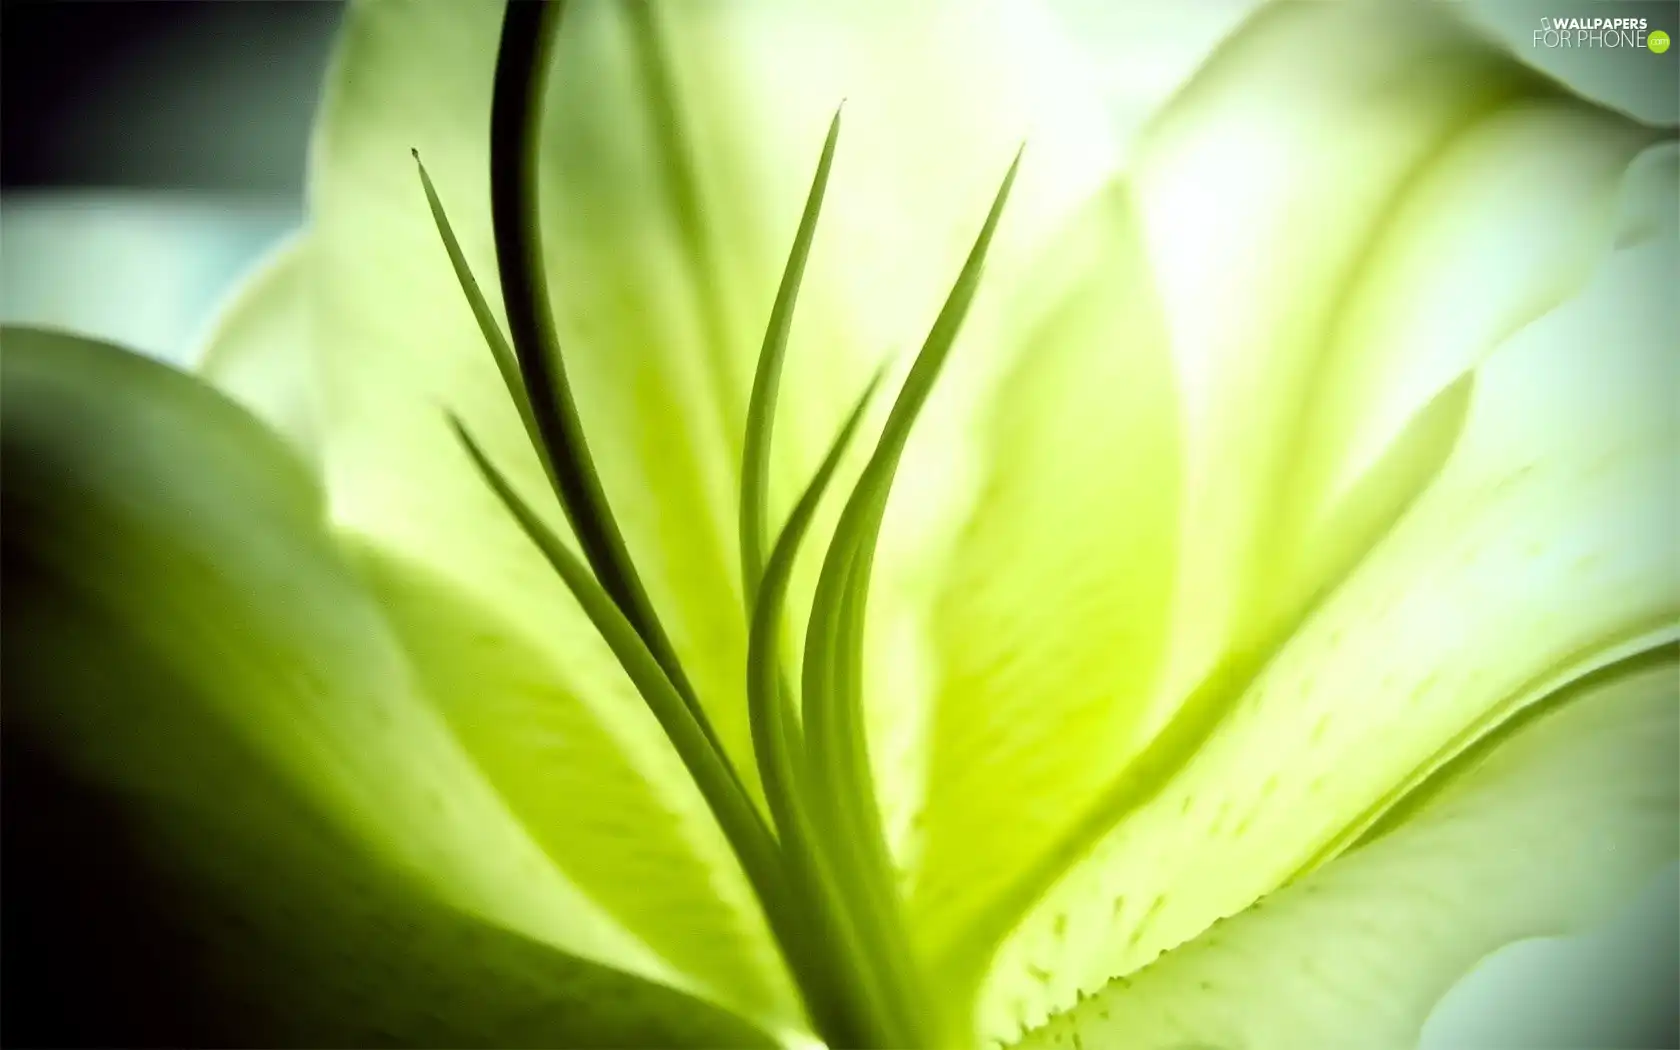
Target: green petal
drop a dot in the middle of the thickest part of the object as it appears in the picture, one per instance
(234, 917)
(1541, 835)
(832, 682)
(259, 351)
(1138, 55)
(1543, 549)
(1051, 626)
(189, 649)
(660, 301)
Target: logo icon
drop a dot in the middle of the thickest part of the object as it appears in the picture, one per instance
(1657, 41)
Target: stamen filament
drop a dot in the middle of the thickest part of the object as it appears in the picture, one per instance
(522, 63)
(761, 409)
(742, 824)
(506, 363)
(778, 745)
(824, 876)
(836, 739)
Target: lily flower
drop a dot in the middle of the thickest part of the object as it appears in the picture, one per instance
(729, 550)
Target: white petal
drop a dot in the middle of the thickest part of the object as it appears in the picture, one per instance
(1545, 547)
(1538, 836)
(1297, 196)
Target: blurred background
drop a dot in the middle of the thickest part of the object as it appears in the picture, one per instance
(151, 152)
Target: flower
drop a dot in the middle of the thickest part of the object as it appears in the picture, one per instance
(1274, 609)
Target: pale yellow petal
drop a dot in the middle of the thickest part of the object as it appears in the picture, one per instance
(1544, 548)
(1290, 195)
(1052, 621)
(1538, 836)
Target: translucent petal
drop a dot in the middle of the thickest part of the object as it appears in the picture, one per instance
(1051, 625)
(1299, 198)
(1323, 368)
(1509, 219)
(1541, 550)
(1564, 819)
(1609, 985)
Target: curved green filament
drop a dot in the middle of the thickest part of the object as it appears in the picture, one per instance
(778, 745)
(833, 721)
(742, 824)
(851, 825)
(522, 63)
(774, 722)
(837, 747)
(823, 875)
(761, 409)
(506, 363)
